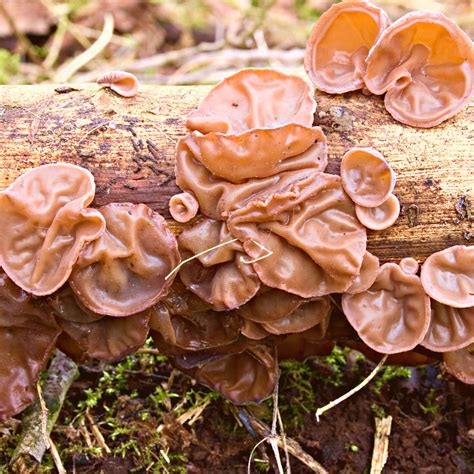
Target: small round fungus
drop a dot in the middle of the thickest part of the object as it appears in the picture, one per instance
(393, 315)
(380, 217)
(450, 328)
(425, 64)
(121, 82)
(251, 99)
(123, 272)
(366, 177)
(45, 224)
(409, 265)
(339, 44)
(183, 207)
(460, 363)
(448, 276)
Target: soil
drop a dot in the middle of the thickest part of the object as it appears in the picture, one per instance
(432, 430)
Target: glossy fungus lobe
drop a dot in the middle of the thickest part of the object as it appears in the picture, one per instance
(409, 265)
(28, 333)
(45, 224)
(450, 328)
(425, 64)
(380, 217)
(339, 44)
(448, 276)
(460, 363)
(393, 315)
(123, 272)
(367, 275)
(366, 177)
(251, 99)
(183, 207)
(121, 82)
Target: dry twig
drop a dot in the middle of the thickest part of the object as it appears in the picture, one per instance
(383, 427)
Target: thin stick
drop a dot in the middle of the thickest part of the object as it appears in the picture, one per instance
(268, 254)
(285, 446)
(383, 427)
(56, 458)
(97, 434)
(65, 72)
(349, 394)
(176, 269)
(43, 416)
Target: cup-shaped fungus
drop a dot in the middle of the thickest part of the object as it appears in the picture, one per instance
(45, 224)
(121, 82)
(367, 275)
(221, 276)
(448, 276)
(450, 328)
(28, 333)
(425, 64)
(393, 315)
(460, 363)
(87, 335)
(123, 272)
(339, 44)
(245, 372)
(183, 207)
(366, 177)
(380, 217)
(303, 236)
(254, 99)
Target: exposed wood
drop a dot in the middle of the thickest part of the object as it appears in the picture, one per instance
(383, 427)
(129, 146)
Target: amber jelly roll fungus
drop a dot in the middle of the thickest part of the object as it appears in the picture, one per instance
(46, 223)
(380, 217)
(28, 333)
(339, 44)
(425, 64)
(393, 315)
(460, 363)
(124, 271)
(121, 82)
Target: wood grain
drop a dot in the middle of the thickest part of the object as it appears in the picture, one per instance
(129, 146)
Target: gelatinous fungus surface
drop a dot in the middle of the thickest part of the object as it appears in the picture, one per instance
(121, 82)
(380, 217)
(460, 363)
(183, 207)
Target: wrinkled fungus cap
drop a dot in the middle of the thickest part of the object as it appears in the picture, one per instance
(121, 82)
(380, 217)
(183, 207)
(425, 64)
(254, 98)
(393, 315)
(123, 272)
(368, 273)
(460, 363)
(450, 328)
(339, 44)
(448, 276)
(28, 333)
(45, 224)
(366, 177)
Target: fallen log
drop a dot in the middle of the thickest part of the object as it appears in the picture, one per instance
(129, 145)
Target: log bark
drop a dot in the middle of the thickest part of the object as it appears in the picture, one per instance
(129, 145)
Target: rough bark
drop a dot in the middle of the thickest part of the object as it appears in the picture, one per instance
(129, 145)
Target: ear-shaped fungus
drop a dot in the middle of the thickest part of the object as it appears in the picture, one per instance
(393, 315)
(183, 207)
(448, 276)
(380, 217)
(244, 372)
(92, 336)
(45, 224)
(28, 333)
(251, 99)
(220, 277)
(368, 273)
(310, 227)
(121, 82)
(460, 363)
(450, 328)
(367, 177)
(425, 64)
(182, 320)
(339, 44)
(123, 272)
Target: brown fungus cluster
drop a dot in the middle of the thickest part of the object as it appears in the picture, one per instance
(423, 62)
(273, 262)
